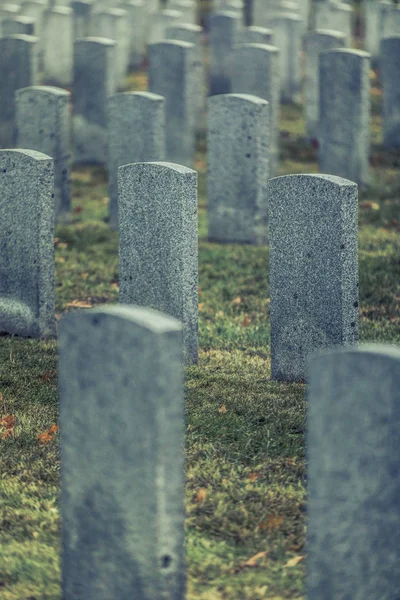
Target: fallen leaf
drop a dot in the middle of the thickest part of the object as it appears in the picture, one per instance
(201, 495)
(222, 409)
(246, 321)
(115, 285)
(58, 316)
(7, 421)
(63, 245)
(200, 306)
(53, 428)
(56, 241)
(79, 304)
(84, 275)
(236, 301)
(253, 476)
(273, 522)
(294, 561)
(367, 204)
(59, 259)
(44, 438)
(252, 562)
(8, 433)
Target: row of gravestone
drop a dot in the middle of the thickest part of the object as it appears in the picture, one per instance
(123, 468)
(313, 259)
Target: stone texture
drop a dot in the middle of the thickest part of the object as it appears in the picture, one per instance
(255, 71)
(82, 11)
(389, 23)
(94, 82)
(18, 25)
(390, 78)
(257, 35)
(188, 9)
(158, 265)
(136, 133)
(18, 69)
(238, 168)
(122, 462)
(344, 136)
(172, 74)
(58, 45)
(335, 15)
(288, 30)
(43, 117)
(315, 42)
(26, 243)
(113, 24)
(225, 32)
(353, 484)
(313, 240)
(137, 25)
(160, 21)
(36, 10)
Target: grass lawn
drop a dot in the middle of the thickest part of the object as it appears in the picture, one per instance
(245, 444)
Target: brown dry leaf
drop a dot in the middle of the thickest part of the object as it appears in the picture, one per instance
(253, 476)
(367, 204)
(200, 292)
(201, 495)
(115, 285)
(252, 562)
(84, 275)
(246, 321)
(58, 316)
(8, 433)
(222, 410)
(236, 301)
(53, 428)
(273, 522)
(45, 438)
(8, 421)
(56, 241)
(200, 306)
(294, 561)
(79, 304)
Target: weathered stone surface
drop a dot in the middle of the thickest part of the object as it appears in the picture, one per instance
(160, 21)
(353, 465)
(225, 32)
(26, 243)
(257, 35)
(344, 137)
(314, 43)
(172, 74)
(390, 77)
(138, 23)
(94, 82)
(335, 15)
(313, 223)
(82, 11)
(237, 174)
(122, 460)
(18, 25)
(188, 9)
(19, 57)
(158, 264)
(113, 24)
(58, 45)
(136, 133)
(43, 116)
(255, 71)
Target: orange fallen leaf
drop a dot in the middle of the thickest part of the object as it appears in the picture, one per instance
(236, 301)
(8, 421)
(58, 316)
(253, 476)
(53, 428)
(222, 409)
(8, 433)
(294, 561)
(201, 495)
(79, 304)
(200, 306)
(252, 562)
(367, 204)
(45, 438)
(246, 321)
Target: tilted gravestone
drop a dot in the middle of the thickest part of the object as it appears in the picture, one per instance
(353, 436)
(344, 116)
(18, 69)
(94, 82)
(314, 43)
(136, 133)
(26, 243)
(313, 229)
(238, 168)
(390, 75)
(225, 33)
(122, 455)
(158, 264)
(43, 120)
(172, 74)
(255, 71)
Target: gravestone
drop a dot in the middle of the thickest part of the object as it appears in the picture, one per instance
(390, 77)
(137, 26)
(36, 10)
(238, 168)
(257, 35)
(353, 485)
(18, 69)
(43, 118)
(82, 11)
(172, 74)
(58, 45)
(331, 14)
(136, 133)
(18, 25)
(160, 21)
(314, 43)
(94, 82)
(255, 71)
(313, 261)
(113, 24)
(389, 23)
(158, 265)
(188, 9)
(26, 244)
(225, 32)
(343, 134)
(122, 462)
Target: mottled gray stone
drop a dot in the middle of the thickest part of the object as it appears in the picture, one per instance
(330, 14)
(18, 25)
(389, 23)
(257, 35)
(172, 74)
(287, 28)
(238, 168)
(58, 45)
(18, 68)
(353, 466)
(314, 42)
(36, 10)
(136, 133)
(113, 24)
(94, 82)
(225, 32)
(390, 78)
(43, 118)
(82, 10)
(160, 21)
(122, 455)
(192, 34)
(138, 23)
(26, 243)
(313, 241)
(158, 265)
(255, 71)
(344, 132)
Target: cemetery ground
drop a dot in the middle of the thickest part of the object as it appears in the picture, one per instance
(245, 434)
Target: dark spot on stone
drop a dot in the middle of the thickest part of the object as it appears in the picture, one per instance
(248, 155)
(341, 246)
(355, 304)
(165, 561)
(352, 324)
